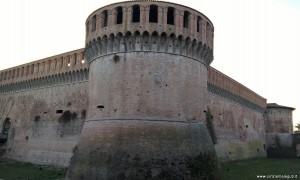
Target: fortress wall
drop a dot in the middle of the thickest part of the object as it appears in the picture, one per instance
(239, 129)
(238, 118)
(45, 122)
(46, 106)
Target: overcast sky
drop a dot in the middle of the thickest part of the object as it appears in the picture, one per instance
(256, 41)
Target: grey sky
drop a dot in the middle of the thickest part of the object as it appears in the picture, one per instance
(256, 41)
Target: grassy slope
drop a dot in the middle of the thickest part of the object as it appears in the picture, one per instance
(249, 169)
(12, 170)
(238, 170)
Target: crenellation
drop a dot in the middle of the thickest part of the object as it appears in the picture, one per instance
(151, 42)
(52, 80)
(108, 14)
(42, 68)
(220, 80)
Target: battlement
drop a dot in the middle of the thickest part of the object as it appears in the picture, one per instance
(62, 63)
(144, 23)
(132, 16)
(63, 68)
(222, 82)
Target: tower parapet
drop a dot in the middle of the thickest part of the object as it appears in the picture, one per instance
(149, 26)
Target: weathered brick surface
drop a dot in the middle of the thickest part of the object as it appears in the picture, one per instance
(39, 133)
(239, 129)
(279, 119)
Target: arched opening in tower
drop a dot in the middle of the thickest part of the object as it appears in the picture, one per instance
(153, 14)
(5, 130)
(186, 19)
(136, 13)
(199, 19)
(170, 16)
(119, 16)
(94, 19)
(104, 18)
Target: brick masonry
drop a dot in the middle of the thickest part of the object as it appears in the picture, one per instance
(152, 76)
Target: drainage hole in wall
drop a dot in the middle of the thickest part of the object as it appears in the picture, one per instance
(37, 118)
(59, 111)
(100, 107)
(83, 114)
(246, 126)
(116, 58)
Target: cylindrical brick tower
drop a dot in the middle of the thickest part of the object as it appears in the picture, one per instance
(147, 93)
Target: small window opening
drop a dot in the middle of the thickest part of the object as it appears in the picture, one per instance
(68, 61)
(59, 111)
(186, 19)
(32, 68)
(119, 15)
(104, 18)
(170, 16)
(153, 14)
(87, 28)
(135, 13)
(208, 30)
(17, 72)
(94, 20)
(61, 62)
(199, 19)
(75, 59)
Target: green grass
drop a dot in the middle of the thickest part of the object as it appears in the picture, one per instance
(249, 169)
(237, 170)
(13, 170)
